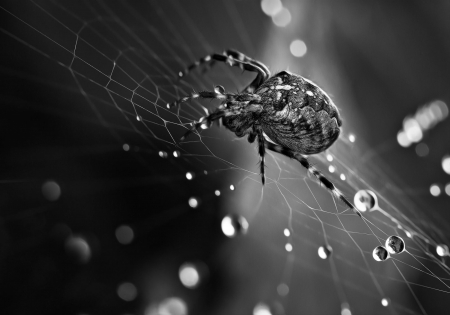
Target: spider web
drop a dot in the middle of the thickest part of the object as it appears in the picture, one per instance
(105, 72)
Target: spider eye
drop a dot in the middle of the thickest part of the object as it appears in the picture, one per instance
(219, 89)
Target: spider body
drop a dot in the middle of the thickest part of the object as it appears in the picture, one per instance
(285, 113)
(298, 114)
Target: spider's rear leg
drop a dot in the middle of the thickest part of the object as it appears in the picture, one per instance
(313, 171)
(258, 134)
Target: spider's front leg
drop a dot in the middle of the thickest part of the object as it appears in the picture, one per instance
(313, 171)
(219, 93)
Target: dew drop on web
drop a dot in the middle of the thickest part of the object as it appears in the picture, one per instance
(233, 225)
(364, 200)
(325, 251)
(395, 244)
(380, 253)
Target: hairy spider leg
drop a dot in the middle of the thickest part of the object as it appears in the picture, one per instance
(258, 133)
(204, 121)
(217, 94)
(312, 170)
(247, 64)
(260, 79)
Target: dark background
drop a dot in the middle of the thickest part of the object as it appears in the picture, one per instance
(382, 60)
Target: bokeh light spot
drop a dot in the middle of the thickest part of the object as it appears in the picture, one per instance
(402, 139)
(446, 164)
(288, 247)
(298, 48)
(217, 193)
(412, 129)
(189, 175)
(172, 306)
(127, 291)
(385, 302)
(51, 190)
(283, 289)
(261, 309)
(126, 147)
(189, 275)
(231, 187)
(422, 149)
(193, 202)
(271, 7)
(447, 189)
(78, 248)
(124, 234)
(435, 190)
(282, 18)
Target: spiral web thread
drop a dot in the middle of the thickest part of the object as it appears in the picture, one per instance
(127, 75)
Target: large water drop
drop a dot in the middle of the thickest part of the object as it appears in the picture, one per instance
(380, 253)
(365, 200)
(395, 244)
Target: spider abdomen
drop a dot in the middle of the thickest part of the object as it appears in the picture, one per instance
(298, 114)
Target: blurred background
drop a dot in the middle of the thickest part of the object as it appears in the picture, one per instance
(104, 211)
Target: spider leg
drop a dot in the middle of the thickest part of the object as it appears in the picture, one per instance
(312, 170)
(260, 79)
(204, 122)
(258, 134)
(219, 93)
(234, 58)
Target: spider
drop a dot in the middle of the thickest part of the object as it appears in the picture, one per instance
(285, 113)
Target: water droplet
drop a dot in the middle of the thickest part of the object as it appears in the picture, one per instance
(283, 289)
(329, 158)
(343, 177)
(126, 147)
(51, 190)
(124, 234)
(127, 291)
(408, 234)
(288, 247)
(217, 193)
(231, 187)
(138, 118)
(385, 302)
(189, 175)
(176, 153)
(395, 244)
(287, 233)
(325, 251)
(194, 202)
(442, 250)
(234, 224)
(351, 138)
(365, 200)
(380, 253)
(163, 154)
(331, 169)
